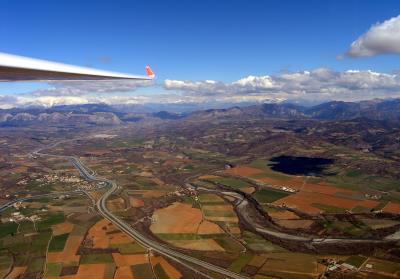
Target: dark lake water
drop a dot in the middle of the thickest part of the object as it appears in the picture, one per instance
(300, 165)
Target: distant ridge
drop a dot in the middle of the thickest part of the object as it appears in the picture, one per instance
(103, 114)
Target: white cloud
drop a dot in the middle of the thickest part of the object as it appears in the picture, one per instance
(10, 101)
(46, 101)
(255, 83)
(206, 87)
(316, 84)
(79, 88)
(381, 38)
(213, 88)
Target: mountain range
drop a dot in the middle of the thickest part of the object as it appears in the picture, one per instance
(103, 114)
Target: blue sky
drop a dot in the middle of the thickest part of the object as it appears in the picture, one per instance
(194, 40)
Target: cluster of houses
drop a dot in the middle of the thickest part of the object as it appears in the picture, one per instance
(334, 265)
(83, 184)
(285, 188)
(339, 266)
(50, 178)
(17, 216)
(373, 197)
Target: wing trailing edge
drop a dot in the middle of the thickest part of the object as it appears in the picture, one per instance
(19, 68)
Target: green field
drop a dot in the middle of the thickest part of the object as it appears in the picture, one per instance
(210, 199)
(36, 264)
(26, 227)
(329, 208)
(40, 242)
(231, 182)
(355, 180)
(53, 269)
(51, 220)
(219, 213)
(290, 265)
(27, 211)
(347, 228)
(129, 248)
(259, 244)
(8, 228)
(240, 262)
(160, 273)
(269, 195)
(356, 261)
(360, 209)
(384, 266)
(58, 242)
(5, 263)
(145, 183)
(229, 244)
(142, 271)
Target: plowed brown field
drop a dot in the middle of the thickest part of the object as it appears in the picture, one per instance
(135, 202)
(171, 271)
(98, 234)
(243, 171)
(69, 252)
(181, 218)
(95, 271)
(304, 200)
(127, 260)
(101, 237)
(392, 208)
(123, 272)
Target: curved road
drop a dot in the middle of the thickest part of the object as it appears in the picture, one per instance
(180, 257)
(136, 235)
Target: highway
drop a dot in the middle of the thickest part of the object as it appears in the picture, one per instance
(241, 202)
(141, 239)
(181, 258)
(136, 235)
(166, 251)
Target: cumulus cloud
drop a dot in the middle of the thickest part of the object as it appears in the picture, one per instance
(26, 100)
(9, 101)
(79, 88)
(381, 38)
(211, 87)
(316, 84)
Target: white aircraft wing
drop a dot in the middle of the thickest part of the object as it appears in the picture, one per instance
(19, 68)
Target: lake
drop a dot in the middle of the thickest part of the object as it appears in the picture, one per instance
(310, 166)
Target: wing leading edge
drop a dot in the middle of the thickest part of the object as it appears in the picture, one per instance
(19, 68)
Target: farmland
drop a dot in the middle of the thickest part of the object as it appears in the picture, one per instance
(200, 189)
(67, 247)
(300, 193)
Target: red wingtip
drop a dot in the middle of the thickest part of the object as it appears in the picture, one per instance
(149, 72)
